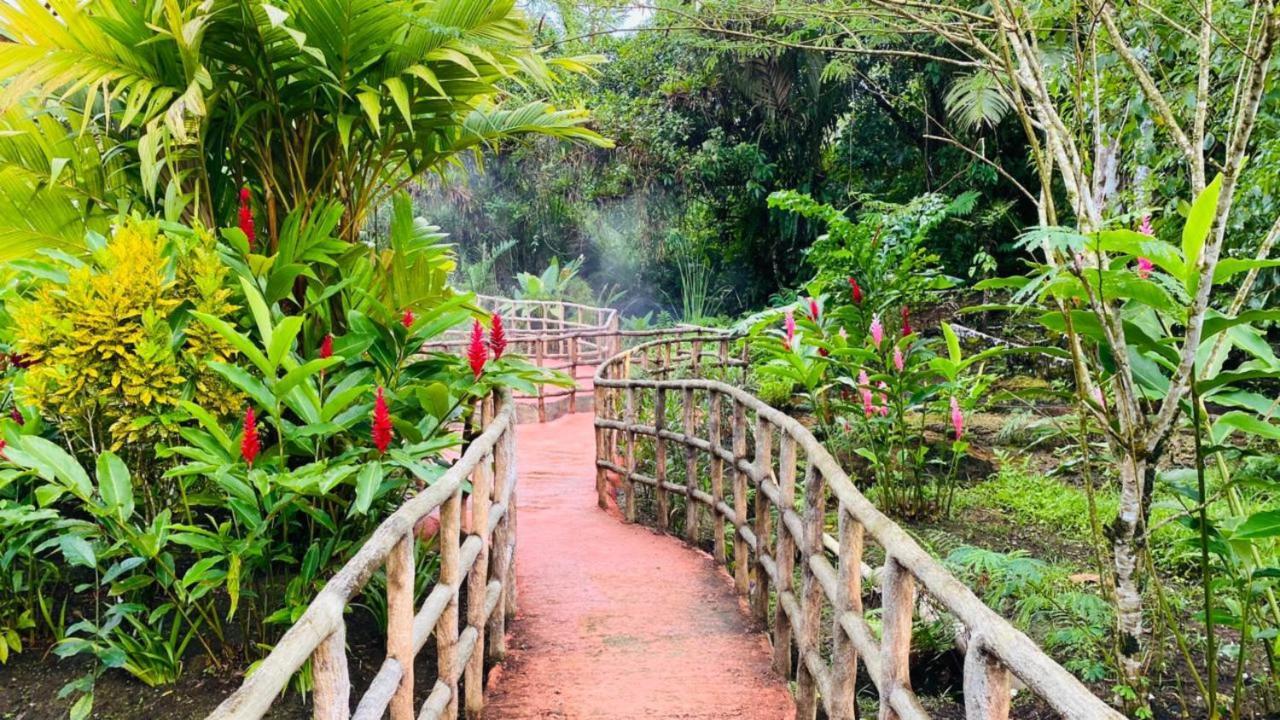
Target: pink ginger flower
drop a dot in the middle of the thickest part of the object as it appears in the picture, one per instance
(790, 324)
(1144, 268)
(877, 330)
(898, 361)
(864, 386)
(844, 334)
(1145, 228)
(957, 418)
(884, 399)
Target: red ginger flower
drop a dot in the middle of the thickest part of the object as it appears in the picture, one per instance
(16, 416)
(251, 443)
(408, 319)
(246, 216)
(381, 423)
(326, 347)
(497, 337)
(477, 353)
(906, 321)
(813, 310)
(856, 290)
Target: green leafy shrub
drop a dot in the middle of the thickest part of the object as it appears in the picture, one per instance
(109, 344)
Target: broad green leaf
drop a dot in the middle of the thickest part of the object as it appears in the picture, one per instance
(282, 339)
(115, 485)
(237, 340)
(77, 551)
(209, 423)
(304, 371)
(367, 484)
(246, 382)
(55, 464)
(261, 313)
(1244, 422)
(1264, 524)
(1196, 231)
(953, 343)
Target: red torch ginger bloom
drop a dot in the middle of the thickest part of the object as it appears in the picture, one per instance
(898, 361)
(906, 321)
(497, 337)
(381, 423)
(1144, 268)
(246, 216)
(408, 319)
(813, 310)
(477, 354)
(957, 418)
(251, 443)
(857, 291)
(326, 347)
(877, 330)
(790, 325)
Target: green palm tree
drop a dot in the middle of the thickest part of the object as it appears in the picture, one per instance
(305, 101)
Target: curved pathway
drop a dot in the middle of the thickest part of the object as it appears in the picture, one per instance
(614, 620)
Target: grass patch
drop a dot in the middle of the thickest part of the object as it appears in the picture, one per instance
(1036, 498)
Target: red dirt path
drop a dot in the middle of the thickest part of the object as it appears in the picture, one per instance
(614, 620)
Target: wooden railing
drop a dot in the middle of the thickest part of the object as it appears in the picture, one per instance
(766, 491)
(477, 552)
(558, 335)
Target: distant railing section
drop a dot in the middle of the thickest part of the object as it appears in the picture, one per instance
(558, 335)
(675, 430)
(465, 610)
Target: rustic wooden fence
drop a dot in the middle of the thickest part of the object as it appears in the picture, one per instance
(465, 610)
(558, 335)
(674, 429)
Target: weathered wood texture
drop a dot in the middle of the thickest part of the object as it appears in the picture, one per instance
(772, 539)
(481, 561)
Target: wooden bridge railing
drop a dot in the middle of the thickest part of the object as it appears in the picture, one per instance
(557, 335)
(465, 609)
(768, 492)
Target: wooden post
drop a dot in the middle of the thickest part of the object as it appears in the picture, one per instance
(540, 360)
(696, 350)
(628, 481)
(573, 373)
(815, 497)
(502, 466)
(764, 467)
(690, 471)
(660, 456)
(717, 475)
(329, 673)
(400, 623)
(450, 575)
(477, 582)
(602, 453)
(740, 561)
(898, 595)
(844, 656)
(784, 557)
(986, 684)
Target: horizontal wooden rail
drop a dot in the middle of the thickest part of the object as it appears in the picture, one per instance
(557, 335)
(468, 604)
(673, 425)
